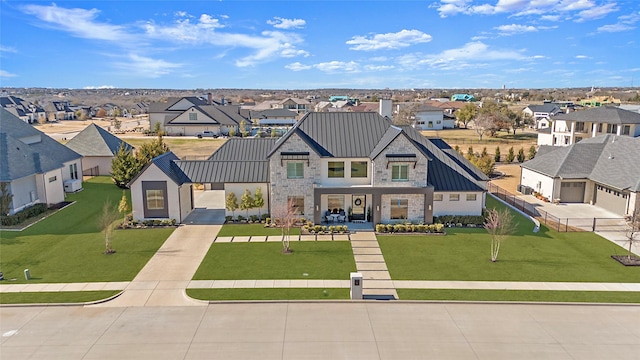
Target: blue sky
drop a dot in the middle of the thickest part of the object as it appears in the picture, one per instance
(320, 44)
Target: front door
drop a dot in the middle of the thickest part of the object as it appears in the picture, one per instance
(358, 207)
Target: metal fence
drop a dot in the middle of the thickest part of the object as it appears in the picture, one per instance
(553, 222)
(91, 172)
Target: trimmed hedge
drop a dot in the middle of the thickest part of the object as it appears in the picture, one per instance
(22, 215)
(459, 219)
(410, 228)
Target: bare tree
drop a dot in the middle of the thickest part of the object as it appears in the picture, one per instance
(105, 222)
(499, 224)
(285, 216)
(482, 124)
(406, 115)
(633, 232)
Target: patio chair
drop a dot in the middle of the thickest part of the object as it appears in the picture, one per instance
(328, 216)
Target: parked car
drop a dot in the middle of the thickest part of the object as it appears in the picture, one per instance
(206, 133)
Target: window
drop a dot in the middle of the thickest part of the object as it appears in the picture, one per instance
(155, 199)
(626, 130)
(193, 116)
(400, 172)
(600, 127)
(430, 124)
(295, 170)
(73, 170)
(298, 204)
(53, 178)
(335, 203)
(612, 128)
(336, 169)
(437, 197)
(454, 197)
(399, 208)
(358, 169)
(471, 197)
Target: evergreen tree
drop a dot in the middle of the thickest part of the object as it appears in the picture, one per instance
(521, 155)
(511, 155)
(484, 152)
(124, 166)
(532, 152)
(148, 151)
(470, 153)
(496, 157)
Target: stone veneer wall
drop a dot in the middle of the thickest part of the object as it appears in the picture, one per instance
(417, 175)
(415, 211)
(282, 188)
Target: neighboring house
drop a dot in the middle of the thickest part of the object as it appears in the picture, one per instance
(97, 147)
(462, 97)
(61, 111)
(327, 161)
(570, 128)
(192, 115)
(542, 114)
(24, 110)
(273, 117)
(301, 106)
(603, 170)
(36, 167)
(429, 117)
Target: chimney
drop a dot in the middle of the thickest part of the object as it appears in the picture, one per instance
(210, 98)
(386, 108)
(222, 100)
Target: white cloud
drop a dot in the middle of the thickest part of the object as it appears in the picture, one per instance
(296, 66)
(536, 57)
(90, 87)
(472, 53)
(208, 22)
(597, 12)
(582, 57)
(378, 67)
(6, 74)
(625, 23)
(400, 39)
(338, 67)
(147, 67)
(7, 49)
(79, 22)
(282, 23)
(515, 29)
(550, 17)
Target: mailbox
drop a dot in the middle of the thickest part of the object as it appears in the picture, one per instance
(356, 286)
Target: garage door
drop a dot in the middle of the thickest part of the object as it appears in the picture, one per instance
(611, 199)
(572, 192)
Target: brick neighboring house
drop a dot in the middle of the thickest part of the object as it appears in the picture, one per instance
(568, 129)
(327, 161)
(603, 170)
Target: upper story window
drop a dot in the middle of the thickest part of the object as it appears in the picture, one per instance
(600, 127)
(359, 169)
(626, 130)
(295, 170)
(193, 116)
(336, 169)
(400, 172)
(612, 128)
(580, 126)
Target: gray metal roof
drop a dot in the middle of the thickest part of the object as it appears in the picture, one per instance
(239, 149)
(96, 141)
(20, 159)
(603, 114)
(545, 108)
(263, 114)
(607, 159)
(225, 171)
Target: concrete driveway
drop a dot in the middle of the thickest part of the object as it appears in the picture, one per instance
(209, 208)
(342, 330)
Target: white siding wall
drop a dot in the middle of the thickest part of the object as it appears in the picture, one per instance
(423, 119)
(66, 174)
(185, 201)
(152, 173)
(538, 182)
(460, 207)
(239, 188)
(21, 190)
(103, 163)
(55, 189)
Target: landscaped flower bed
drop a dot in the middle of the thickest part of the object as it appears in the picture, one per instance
(143, 224)
(410, 228)
(323, 229)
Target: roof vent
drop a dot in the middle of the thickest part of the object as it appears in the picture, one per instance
(611, 157)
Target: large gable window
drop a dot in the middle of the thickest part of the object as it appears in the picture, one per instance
(400, 172)
(336, 169)
(193, 116)
(358, 169)
(295, 170)
(155, 199)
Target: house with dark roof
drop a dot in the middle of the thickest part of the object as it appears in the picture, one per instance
(570, 128)
(24, 110)
(193, 115)
(602, 170)
(97, 147)
(542, 114)
(36, 167)
(354, 162)
(273, 117)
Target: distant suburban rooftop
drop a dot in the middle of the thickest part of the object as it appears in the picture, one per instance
(603, 114)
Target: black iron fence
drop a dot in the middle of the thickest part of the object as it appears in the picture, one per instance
(91, 172)
(556, 223)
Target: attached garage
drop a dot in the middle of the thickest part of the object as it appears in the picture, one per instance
(610, 199)
(572, 192)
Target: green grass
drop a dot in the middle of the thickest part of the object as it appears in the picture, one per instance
(464, 254)
(520, 295)
(253, 229)
(55, 297)
(268, 294)
(68, 247)
(318, 260)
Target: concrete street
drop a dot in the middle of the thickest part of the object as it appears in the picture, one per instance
(342, 330)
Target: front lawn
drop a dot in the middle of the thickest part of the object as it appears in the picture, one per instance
(249, 261)
(65, 297)
(268, 294)
(253, 230)
(68, 247)
(520, 295)
(464, 254)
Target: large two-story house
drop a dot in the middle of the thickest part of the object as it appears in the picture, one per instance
(568, 129)
(356, 162)
(24, 110)
(542, 114)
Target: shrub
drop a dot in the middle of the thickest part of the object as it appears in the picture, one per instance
(265, 217)
(381, 228)
(332, 229)
(317, 228)
(24, 214)
(228, 218)
(240, 218)
(511, 155)
(253, 218)
(399, 228)
(389, 227)
(521, 155)
(496, 157)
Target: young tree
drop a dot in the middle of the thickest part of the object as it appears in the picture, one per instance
(633, 231)
(484, 152)
(232, 131)
(467, 113)
(124, 166)
(457, 148)
(274, 133)
(231, 203)
(521, 155)
(532, 152)
(286, 215)
(406, 115)
(246, 201)
(243, 128)
(496, 157)
(470, 153)
(258, 201)
(499, 224)
(510, 156)
(106, 219)
(6, 198)
(486, 164)
(123, 208)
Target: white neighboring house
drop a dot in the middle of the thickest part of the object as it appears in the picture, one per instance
(36, 167)
(603, 170)
(542, 114)
(570, 128)
(429, 117)
(97, 147)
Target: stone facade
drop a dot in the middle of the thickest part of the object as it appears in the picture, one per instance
(415, 210)
(417, 175)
